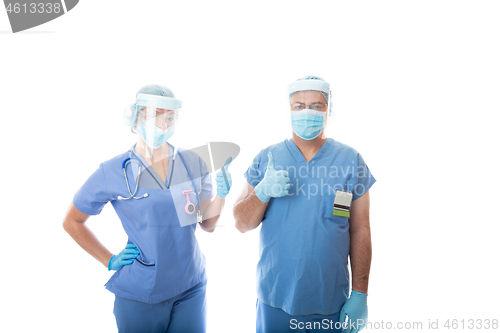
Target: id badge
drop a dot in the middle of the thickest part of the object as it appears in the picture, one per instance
(342, 203)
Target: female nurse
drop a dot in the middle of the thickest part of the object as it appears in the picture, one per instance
(160, 193)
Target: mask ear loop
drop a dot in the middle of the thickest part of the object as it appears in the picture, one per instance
(329, 109)
(290, 111)
(330, 105)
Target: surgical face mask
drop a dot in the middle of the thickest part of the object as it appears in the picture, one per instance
(159, 136)
(308, 124)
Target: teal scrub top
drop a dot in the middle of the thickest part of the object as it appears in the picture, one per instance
(170, 260)
(304, 248)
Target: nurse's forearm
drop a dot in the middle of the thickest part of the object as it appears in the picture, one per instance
(361, 256)
(249, 212)
(89, 242)
(77, 229)
(211, 214)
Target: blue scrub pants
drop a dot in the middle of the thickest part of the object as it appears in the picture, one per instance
(183, 313)
(275, 320)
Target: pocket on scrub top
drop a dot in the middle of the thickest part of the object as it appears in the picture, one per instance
(328, 200)
(340, 221)
(138, 278)
(142, 262)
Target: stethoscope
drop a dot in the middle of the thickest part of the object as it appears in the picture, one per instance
(189, 208)
(124, 167)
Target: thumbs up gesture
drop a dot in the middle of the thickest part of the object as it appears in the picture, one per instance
(275, 183)
(224, 180)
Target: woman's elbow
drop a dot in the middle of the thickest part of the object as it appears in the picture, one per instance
(66, 225)
(211, 230)
(73, 219)
(209, 224)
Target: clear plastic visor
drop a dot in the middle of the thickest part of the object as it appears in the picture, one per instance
(156, 118)
(310, 94)
(312, 100)
(161, 118)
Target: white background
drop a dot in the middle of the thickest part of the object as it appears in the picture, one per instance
(415, 91)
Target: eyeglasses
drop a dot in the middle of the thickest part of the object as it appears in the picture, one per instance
(313, 106)
(161, 117)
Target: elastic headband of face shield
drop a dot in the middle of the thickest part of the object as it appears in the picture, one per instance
(160, 102)
(314, 85)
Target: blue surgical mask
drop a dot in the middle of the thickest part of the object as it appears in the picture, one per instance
(307, 123)
(160, 136)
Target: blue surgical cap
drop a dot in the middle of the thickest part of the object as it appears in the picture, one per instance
(156, 89)
(312, 77)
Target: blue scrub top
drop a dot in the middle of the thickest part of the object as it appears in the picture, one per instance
(304, 248)
(170, 260)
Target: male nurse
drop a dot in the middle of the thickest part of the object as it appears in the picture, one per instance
(310, 194)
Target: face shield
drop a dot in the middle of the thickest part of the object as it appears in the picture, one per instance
(156, 119)
(310, 100)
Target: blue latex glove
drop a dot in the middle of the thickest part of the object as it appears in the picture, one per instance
(275, 183)
(223, 179)
(123, 258)
(356, 308)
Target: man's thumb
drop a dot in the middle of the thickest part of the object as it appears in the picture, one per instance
(270, 163)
